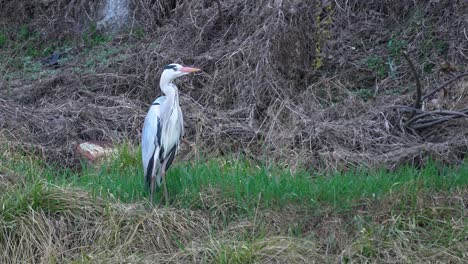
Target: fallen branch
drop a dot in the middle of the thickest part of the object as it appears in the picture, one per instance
(436, 121)
(419, 121)
(412, 120)
(426, 123)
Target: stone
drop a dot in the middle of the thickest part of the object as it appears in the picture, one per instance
(94, 151)
(116, 15)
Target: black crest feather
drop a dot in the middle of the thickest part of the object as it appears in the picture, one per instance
(170, 66)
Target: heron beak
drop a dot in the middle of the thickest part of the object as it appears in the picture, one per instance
(189, 69)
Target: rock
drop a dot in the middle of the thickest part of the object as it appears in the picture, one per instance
(94, 151)
(116, 15)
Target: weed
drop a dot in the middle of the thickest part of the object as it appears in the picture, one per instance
(30, 65)
(93, 37)
(100, 56)
(323, 22)
(23, 33)
(441, 46)
(431, 45)
(364, 94)
(396, 46)
(139, 32)
(3, 39)
(428, 67)
(377, 65)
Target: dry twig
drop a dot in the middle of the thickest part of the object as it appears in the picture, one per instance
(442, 86)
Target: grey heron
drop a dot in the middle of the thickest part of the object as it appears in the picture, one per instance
(163, 129)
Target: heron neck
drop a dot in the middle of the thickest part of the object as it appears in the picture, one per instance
(172, 96)
(169, 89)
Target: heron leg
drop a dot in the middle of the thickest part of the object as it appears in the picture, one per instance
(166, 196)
(153, 179)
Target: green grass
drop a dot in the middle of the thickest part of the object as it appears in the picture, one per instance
(250, 185)
(246, 185)
(120, 177)
(230, 211)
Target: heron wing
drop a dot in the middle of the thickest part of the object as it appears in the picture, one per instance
(180, 132)
(171, 135)
(151, 140)
(181, 125)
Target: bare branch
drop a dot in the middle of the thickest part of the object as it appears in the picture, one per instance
(417, 102)
(426, 123)
(412, 120)
(446, 112)
(419, 121)
(436, 121)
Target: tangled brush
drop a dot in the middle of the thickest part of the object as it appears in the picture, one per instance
(308, 83)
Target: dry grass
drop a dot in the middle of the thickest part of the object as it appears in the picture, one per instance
(45, 223)
(42, 223)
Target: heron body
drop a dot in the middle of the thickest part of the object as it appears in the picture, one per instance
(163, 129)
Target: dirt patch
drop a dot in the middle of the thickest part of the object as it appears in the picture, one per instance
(310, 84)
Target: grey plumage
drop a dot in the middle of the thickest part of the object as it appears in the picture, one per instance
(163, 129)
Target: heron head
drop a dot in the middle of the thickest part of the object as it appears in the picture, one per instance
(175, 70)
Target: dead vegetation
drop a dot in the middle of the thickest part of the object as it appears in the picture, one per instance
(317, 84)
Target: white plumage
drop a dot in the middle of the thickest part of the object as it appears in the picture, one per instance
(163, 129)
(149, 135)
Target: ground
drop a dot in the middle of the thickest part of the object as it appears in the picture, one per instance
(304, 139)
(231, 211)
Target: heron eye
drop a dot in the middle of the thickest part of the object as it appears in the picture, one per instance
(175, 68)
